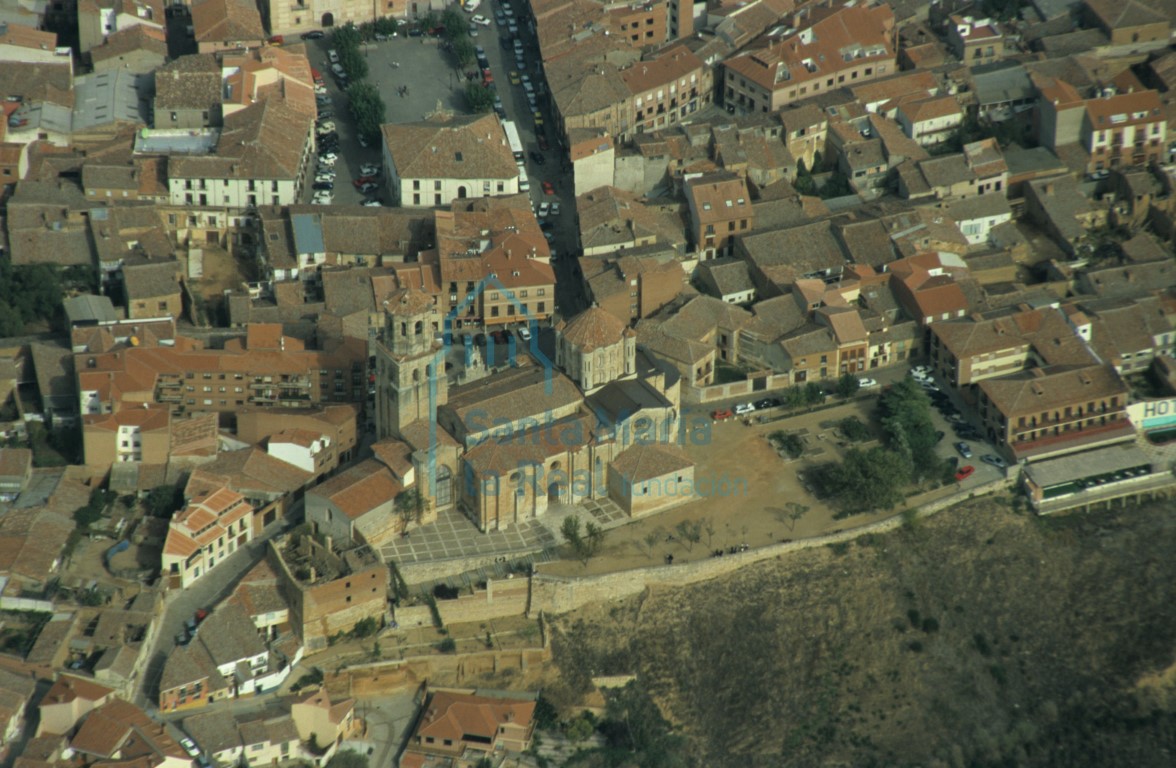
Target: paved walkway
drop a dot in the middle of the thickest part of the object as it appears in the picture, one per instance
(454, 536)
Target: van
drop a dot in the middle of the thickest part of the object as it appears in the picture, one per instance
(524, 182)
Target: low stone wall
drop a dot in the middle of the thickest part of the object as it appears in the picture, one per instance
(558, 594)
(439, 570)
(449, 668)
(504, 597)
(699, 395)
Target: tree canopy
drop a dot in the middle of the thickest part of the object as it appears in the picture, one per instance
(28, 292)
(367, 108)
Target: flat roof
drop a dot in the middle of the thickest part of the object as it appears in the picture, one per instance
(176, 142)
(1102, 461)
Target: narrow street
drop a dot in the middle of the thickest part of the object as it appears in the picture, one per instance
(205, 593)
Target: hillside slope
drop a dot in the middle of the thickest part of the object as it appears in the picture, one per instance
(979, 637)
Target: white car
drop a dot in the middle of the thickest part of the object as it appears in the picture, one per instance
(326, 127)
(369, 170)
(866, 383)
(370, 203)
(525, 333)
(544, 209)
(743, 408)
(190, 747)
(329, 158)
(481, 20)
(333, 55)
(338, 70)
(555, 209)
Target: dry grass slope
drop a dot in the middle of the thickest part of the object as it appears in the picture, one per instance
(981, 637)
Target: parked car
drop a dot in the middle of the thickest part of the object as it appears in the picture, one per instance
(415, 32)
(333, 56)
(541, 140)
(369, 187)
(181, 639)
(538, 118)
(190, 747)
(743, 408)
(514, 77)
(276, 40)
(190, 625)
(554, 209)
(363, 180)
(544, 209)
(866, 383)
(964, 472)
(370, 170)
(525, 333)
(994, 460)
(323, 185)
(371, 203)
(487, 76)
(1100, 175)
(327, 157)
(548, 188)
(537, 157)
(546, 226)
(964, 449)
(722, 414)
(767, 402)
(481, 21)
(314, 34)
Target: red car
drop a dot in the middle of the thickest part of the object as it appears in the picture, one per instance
(722, 414)
(548, 188)
(277, 40)
(963, 473)
(364, 180)
(542, 140)
(487, 77)
(318, 76)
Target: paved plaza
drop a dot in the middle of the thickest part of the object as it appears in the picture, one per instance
(454, 535)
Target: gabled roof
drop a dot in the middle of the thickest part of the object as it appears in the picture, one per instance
(463, 147)
(458, 716)
(360, 489)
(643, 462)
(226, 21)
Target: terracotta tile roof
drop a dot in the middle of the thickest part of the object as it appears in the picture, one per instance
(141, 37)
(205, 518)
(1125, 109)
(189, 82)
(250, 472)
(922, 110)
(67, 688)
(836, 38)
(720, 197)
(592, 329)
(512, 394)
(647, 462)
(360, 489)
(465, 147)
(1042, 390)
(266, 140)
(668, 66)
(226, 21)
(120, 730)
(457, 716)
(1117, 14)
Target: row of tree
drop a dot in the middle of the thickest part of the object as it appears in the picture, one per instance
(367, 106)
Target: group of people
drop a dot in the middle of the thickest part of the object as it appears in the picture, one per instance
(402, 90)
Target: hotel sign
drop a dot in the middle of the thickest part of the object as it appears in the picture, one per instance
(1153, 413)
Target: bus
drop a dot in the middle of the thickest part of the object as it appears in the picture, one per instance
(512, 138)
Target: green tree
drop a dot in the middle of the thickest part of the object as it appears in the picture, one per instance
(164, 500)
(11, 321)
(479, 98)
(464, 51)
(348, 758)
(365, 627)
(353, 63)
(345, 37)
(804, 183)
(904, 411)
(579, 730)
(813, 393)
(455, 24)
(410, 505)
(837, 185)
(794, 511)
(690, 531)
(368, 110)
(633, 725)
(871, 480)
(386, 25)
(847, 385)
(853, 428)
(585, 541)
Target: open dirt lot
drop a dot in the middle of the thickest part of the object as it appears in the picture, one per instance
(760, 483)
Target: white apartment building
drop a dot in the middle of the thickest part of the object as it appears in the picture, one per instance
(212, 527)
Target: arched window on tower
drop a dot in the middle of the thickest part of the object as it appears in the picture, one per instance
(420, 327)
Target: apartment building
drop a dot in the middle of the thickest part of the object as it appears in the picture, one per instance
(634, 285)
(490, 268)
(210, 528)
(1042, 413)
(437, 161)
(720, 212)
(642, 23)
(260, 157)
(1128, 129)
(932, 120)
(591, 92)
(129, 434)
(975, 41)
(264, 369)
(666, 88)
(831, 47)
